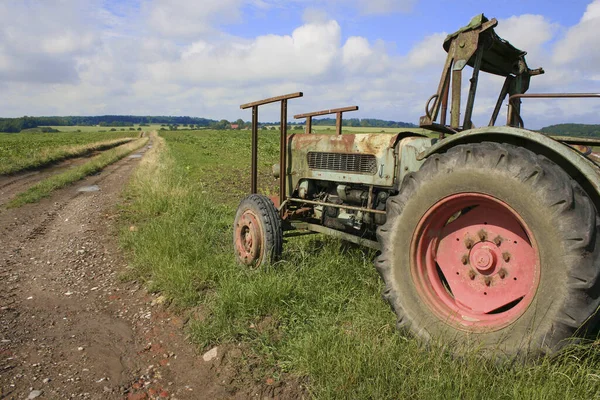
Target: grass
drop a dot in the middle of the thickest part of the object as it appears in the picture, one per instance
(20, 151)
(316, 316)
(45, 187)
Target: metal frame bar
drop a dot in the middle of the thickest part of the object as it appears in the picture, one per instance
(338, 120)
(344, 206)
(282, 141)
(335, 233)
(512, 105)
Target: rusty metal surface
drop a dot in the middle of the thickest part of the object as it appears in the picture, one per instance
(380, 145)
(409, 149)
(342, 206)
(514, 102)
(282, 142)
(338, 234)
(577, 140)
(478, 46)
(272, 100)
(338, 120)
(589, 170)
(254, 161)
(282, 151)
(326, 112)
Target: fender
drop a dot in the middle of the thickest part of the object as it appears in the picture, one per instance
(580, 168)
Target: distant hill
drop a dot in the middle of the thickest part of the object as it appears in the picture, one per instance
(581, 130)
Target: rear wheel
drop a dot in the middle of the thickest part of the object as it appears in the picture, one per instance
(492, 246)
(257, 231)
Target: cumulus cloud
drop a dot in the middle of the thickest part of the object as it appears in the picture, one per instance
(308, 53)
(43, 42)
(189, 19)
(579, 48)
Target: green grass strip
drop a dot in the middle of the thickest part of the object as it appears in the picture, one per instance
(46, 157)
(44, 188)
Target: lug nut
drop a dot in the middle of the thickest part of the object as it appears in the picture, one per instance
(498, 241)
(465, 259)
(471, 275)
(468, 243)
(488, 281)
(502, 274)
(482, 235)
(506, 256)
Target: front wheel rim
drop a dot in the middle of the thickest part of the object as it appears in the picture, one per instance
(248, 238)
(475, 262)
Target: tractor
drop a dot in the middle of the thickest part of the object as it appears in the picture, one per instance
(486, 236)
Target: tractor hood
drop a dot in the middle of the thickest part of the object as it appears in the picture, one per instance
(352, 158)
(366, 158)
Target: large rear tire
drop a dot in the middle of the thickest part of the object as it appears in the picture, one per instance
(491, 246)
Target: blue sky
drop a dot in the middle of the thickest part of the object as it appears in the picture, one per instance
(402, 28)
(204, 58)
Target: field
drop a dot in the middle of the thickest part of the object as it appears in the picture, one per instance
(316, 318)
(30, 150)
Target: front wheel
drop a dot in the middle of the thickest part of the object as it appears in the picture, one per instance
(257, 231)
(492, 246)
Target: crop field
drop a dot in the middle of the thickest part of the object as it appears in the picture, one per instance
(315, 319)
(25, 150)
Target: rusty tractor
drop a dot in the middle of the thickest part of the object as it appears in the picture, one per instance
(487, 235)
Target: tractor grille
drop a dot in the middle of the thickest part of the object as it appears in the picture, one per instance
(357, 163)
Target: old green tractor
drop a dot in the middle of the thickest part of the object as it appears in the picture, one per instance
(488, 236)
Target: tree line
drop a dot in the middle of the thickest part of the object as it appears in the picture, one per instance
(14, 125)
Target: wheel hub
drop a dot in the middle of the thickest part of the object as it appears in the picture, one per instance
(474, 261)
(248, 241)
(483, 257)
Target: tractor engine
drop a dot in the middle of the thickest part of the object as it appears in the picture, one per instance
(336, 195)
(345, 180)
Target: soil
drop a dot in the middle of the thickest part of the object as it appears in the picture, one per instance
(13, 184)
(70, 327)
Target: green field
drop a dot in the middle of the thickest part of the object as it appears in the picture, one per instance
(107, 129)
(25, 150)
(316, 317)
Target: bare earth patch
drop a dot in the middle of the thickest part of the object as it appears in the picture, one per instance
(69, 328)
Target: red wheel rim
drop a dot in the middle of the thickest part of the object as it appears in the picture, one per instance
(248, 238)
(475, 262)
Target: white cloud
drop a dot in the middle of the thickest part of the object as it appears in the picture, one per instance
(190, 19)
(428, 52)
(384, 6)
(308, 53)
(527, 32)
(579, 48)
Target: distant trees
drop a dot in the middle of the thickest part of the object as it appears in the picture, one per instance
(572, 130)
(26, 122)
(222, 124)
(13, 125)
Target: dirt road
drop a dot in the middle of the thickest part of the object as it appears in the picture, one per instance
(69, 328)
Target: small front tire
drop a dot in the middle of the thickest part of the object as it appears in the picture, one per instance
(257, 232)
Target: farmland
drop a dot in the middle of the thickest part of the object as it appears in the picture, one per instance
(315, 318)
(30, 150)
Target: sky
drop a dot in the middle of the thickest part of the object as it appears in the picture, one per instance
(204, 58)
